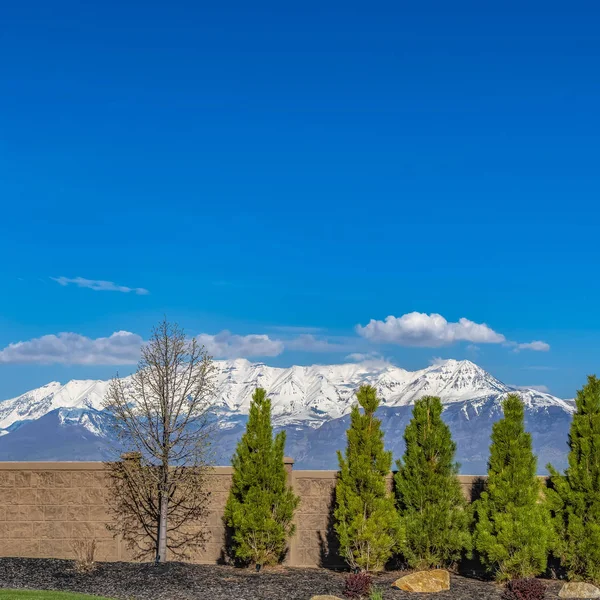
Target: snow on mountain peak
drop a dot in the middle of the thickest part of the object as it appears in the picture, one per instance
(299, 394)
(36, 403)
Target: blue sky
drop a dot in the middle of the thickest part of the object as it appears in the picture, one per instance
(295, 171)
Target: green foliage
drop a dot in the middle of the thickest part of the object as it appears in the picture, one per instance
(261, 505)
(512, 531)
(366, 520)
(575, 496)
(376, 594)
(430, 501)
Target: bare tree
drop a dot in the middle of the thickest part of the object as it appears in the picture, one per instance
(159, 496)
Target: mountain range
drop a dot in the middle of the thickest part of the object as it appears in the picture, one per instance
(312, 404)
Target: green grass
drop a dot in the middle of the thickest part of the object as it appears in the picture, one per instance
(31, 595)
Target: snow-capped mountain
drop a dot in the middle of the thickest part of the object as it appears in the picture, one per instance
(307, 402)
(32, 405)
(312, 395)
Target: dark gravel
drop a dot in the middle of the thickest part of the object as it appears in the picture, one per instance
(182, 581)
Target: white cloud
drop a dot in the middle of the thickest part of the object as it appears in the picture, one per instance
(373, 359)
(121, 348)
(99, 286)
(307, 342)
(431, 331)
(228, 345)
(366, 357)
(437, 361)
(362, 356)
(536, 346)
(538, 388)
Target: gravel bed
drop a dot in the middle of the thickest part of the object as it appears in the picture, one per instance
(183, 581)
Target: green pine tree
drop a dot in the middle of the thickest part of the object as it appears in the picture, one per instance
(512, 531)
(366, 520)
(430, 500)
(574, 499)
(261, 505)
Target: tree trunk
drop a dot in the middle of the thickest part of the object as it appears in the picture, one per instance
(161, 554)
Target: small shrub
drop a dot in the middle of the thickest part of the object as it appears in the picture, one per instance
(376, 594)
(358, 585)
(524, 589)
(85, 551)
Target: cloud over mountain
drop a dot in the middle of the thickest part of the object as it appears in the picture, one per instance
(121, 348)
(431, 331)
(228, 345)
(434, 331)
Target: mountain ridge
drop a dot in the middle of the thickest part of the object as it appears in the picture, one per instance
(314, 393)
(307, 402)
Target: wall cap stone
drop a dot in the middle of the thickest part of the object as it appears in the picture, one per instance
(51, 466)
(79, 466)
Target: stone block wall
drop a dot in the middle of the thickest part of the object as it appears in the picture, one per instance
(315, 542)
(45, 507)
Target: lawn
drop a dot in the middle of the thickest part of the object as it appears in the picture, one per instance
(31, 595)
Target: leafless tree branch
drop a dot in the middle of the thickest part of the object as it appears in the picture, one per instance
(158, 494)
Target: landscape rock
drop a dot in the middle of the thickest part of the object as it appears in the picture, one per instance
(578, 589)
(325, 598)
(437, 580)
(192, 581)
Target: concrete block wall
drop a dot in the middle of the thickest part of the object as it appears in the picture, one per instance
(315, 543)
(45, 506)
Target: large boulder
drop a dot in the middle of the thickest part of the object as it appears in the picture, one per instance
(437, 580)
(578, 589)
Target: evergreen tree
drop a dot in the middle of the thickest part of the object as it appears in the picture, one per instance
(366, 520)
(430, 500)
(261, 505)
(575, 496)
(512, 532)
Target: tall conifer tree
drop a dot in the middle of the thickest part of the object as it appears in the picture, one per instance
(430, 500)
(512, 532)
(575, 496)
(366, 520)
(261, 505)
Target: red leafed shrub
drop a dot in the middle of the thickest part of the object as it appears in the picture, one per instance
(524, 589)
(357, 585)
